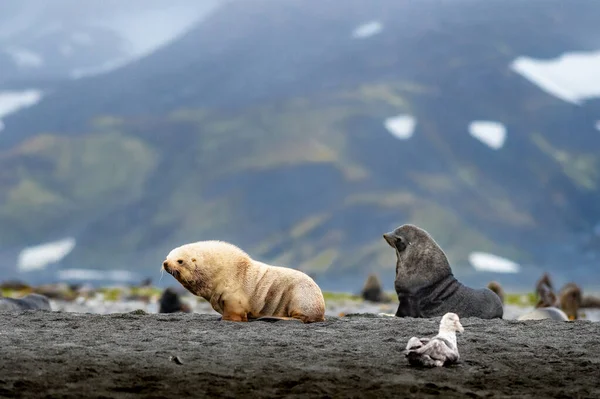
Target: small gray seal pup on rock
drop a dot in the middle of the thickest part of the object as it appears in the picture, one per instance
(28, 302)
(438, 351)
(425, 284)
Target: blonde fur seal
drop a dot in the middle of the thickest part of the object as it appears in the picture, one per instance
(241, 288)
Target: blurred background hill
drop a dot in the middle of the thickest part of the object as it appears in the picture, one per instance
(300, 130)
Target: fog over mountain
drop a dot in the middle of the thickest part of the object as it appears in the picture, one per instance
(69, 38)
(302, 130)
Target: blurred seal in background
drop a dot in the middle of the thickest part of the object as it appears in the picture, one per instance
(28, 302)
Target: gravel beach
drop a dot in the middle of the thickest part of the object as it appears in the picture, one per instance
(73, 355)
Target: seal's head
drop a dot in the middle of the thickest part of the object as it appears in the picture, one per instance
(544, 281)
(450, 323)
(547, 298)
(419, 259)
(201, 266)
(188, 266)
(497, 289)
(570, 300)
(170, 302)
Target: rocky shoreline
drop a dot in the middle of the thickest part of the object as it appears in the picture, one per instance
(59, 354)
(338, 307)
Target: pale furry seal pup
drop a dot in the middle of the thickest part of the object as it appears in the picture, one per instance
(241, 288)
(425, 284)
(438, 351)
(28, 302)
(552, 313)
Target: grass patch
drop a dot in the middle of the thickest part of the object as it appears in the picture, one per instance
(527, 299)
(346, 296)
(340, 296)
(146, 291)
(111, 294)
(10, 293)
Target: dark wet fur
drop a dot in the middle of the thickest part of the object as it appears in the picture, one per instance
(170, 302)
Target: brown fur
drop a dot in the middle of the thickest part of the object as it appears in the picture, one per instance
(372, 290)
(497, 288)
(544, 280)
(570, 300)
(241, 288)
(590, 302)
(545, 293)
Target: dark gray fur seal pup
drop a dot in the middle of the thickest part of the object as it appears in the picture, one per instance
(438, 351)
(425, 284)
(28, 302)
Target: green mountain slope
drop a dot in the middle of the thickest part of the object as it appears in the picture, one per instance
(299, 170)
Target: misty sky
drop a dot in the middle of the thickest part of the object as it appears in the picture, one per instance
(145, 23)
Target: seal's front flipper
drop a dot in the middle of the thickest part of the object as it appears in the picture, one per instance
(273, 319)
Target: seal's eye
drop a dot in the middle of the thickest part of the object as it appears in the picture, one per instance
(400, 244)
(180, 262)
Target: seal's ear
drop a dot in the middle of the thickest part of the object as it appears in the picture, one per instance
(395, 241)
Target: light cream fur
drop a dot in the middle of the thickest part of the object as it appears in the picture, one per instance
(241, 288)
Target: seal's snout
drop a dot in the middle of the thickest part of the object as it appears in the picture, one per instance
(389, 238)
(173, 271)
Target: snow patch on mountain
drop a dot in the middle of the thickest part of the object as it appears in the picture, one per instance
(490, 133)
(401, 126)
(13, 101)
(108, 66)
(121, 276)
(40, 256)
(486, 262)
(572, 77)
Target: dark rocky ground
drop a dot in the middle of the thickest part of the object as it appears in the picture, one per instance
(60, 355)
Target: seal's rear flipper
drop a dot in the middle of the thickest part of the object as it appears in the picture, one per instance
(273, 319)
